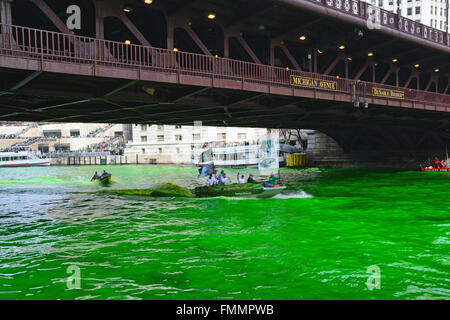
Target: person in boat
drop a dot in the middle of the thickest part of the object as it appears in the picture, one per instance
(219, 178)
(273, 181)
(436, 163)
(250, 179)
(211, 181)
(96, 176)
(217, 175)
(104, 174)
(241, 179)
(224, 179)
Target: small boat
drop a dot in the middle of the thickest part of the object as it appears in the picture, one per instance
(436, 169)
(104, 180)
(237, 190)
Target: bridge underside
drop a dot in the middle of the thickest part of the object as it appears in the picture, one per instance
(53, 97)
(234, 70)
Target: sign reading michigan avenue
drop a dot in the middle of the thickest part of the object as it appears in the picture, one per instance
(388, 93)
(313, 83)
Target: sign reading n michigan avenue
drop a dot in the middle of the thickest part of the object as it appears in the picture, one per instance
(388, 93)
(313, 83)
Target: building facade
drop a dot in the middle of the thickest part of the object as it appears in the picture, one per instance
(433, 13)
(173, 144)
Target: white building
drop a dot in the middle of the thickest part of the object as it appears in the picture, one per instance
(432, 13)
(173, 144)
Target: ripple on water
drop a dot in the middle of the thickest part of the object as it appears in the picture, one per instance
(315, 241)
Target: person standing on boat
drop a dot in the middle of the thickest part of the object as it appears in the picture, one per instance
(241, 179)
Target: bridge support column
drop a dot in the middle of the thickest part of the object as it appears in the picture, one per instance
(5, 11)
(99, 20)
(226, 46)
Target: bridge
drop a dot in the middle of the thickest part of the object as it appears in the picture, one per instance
(368, 77)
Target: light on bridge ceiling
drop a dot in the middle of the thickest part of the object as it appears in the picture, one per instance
(175, 49)
(148, 1)
(436, 70)
(287, 68)
(127, 9)
(416, 65)
(127, 41)
(211, 16)
(349, 58)
(341, 47)
(320, 51)
(395, 60)
(337, 77)
(216, 56)
(370, 54)
(302, 37)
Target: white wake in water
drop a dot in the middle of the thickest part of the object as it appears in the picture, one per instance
(293, 195)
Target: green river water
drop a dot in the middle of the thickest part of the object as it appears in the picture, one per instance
(315, 241)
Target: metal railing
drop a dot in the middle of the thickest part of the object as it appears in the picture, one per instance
(46, 45)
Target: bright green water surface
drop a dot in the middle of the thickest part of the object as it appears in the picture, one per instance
(316, 241)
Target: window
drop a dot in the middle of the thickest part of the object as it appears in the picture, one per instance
(178, 137)
(409, 11)
(178, 150)
(160, 127)
(74, 133)
(380, 3)
(143, 150)
(143, 138)
(177, 127)
(242, 136)
(143, 127)
(160, 138)
(417, 10)
(160, 150)
(221, 136)
(196, 137)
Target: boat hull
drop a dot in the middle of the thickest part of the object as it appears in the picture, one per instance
(105, 181)
(12, 164)
(238, 190)
(436, 169)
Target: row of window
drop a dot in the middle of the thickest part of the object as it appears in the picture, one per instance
(160, 150)
(195, 137)
(144, 127)
(391, 2)
(12, 158)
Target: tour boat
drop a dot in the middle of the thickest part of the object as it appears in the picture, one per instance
(238, 156)
(22, 159)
